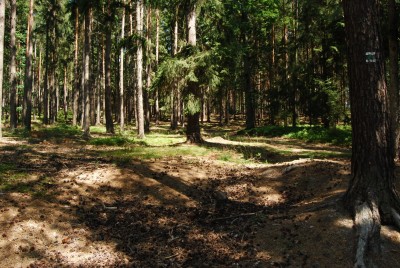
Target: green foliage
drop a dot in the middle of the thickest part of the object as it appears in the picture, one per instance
(337, 136)
(340, 135)
(193, 104)
(110, 141)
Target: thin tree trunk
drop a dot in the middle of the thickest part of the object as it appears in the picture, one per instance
(13, 68)
(121, 76)
(139, 58)
(39, 84)
(65, 100)
(76, 71)
(27, 111)
(156, 97)
(174, 92)
(146, 94)
(87, 90)
(107, 67)
(2, 26)
(46, 76)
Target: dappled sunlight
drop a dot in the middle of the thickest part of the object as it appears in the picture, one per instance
(181, 205)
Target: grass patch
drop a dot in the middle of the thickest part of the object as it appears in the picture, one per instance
(110, 141)
(340, 135)
(15, 181)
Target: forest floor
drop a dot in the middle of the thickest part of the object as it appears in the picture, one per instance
(231, 202)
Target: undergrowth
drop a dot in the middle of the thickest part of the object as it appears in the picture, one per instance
(340, 135)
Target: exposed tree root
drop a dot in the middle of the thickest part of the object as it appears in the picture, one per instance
(367, 222)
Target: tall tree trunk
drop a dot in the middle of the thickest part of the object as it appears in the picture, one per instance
(371, 193)
(139, 69)
(87, 89)
(146, 93)
(27, 111)
(193, 134)
(46, 76)
(249, 89)
(76, 71)
(107, 66)
(65, 99)
(394, 73)
(174, 92)
(39, 84)
(2, 26)
(156, 94)
(121, 76)
(13, 68)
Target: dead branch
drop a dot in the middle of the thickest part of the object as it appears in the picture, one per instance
(235, 216)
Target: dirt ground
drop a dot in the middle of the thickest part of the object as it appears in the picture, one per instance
(90, 211)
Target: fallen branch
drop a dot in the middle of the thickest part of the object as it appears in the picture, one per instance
(172, 256)
(235, 216)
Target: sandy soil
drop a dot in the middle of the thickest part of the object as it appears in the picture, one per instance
(89, 211)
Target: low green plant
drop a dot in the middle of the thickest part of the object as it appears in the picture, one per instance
(340, 135)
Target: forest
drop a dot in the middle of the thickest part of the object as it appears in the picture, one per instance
(199, 133)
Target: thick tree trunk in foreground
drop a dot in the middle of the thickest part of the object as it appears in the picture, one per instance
(371, 194)
(193, 134)
(394, 73)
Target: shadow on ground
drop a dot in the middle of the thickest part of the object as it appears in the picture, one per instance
(174, 213)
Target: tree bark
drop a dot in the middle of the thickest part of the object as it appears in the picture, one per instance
(146, 93)
(371, 194)
(76, 71)
(156, 94)
(193, 134)
(2, 26)
(121, 76)
(65, 99)
(394, 73)
(87, 89)
(27, 111)
(139, 69)
(174, 92)
(107, 66)
(13, 68)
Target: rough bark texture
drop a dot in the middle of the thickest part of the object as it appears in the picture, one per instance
(372, 185)
(394, 72)
(13, 70)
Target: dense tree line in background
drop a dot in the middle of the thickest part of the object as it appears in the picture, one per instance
(138, 62)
